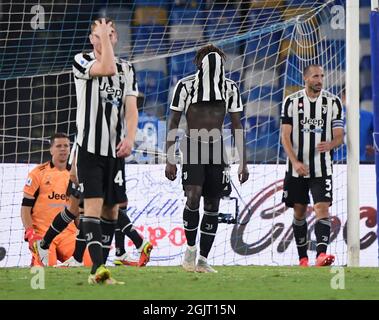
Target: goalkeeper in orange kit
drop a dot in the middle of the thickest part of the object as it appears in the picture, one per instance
(44, 197)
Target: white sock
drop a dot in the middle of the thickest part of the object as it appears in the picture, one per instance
(192, 248)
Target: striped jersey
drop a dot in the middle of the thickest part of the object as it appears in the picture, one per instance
(184, 89)
(100, 104)
(312, 121)
(209, 84)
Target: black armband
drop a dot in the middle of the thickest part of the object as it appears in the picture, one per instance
(26, 202)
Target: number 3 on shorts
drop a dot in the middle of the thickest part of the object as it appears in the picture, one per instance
(328, 183)
(119, 179)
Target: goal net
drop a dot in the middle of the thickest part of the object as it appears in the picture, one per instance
(267, 43)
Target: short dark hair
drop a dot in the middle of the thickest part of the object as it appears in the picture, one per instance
(206, 50)
(93, 24)
(58, 135)
(306, 69)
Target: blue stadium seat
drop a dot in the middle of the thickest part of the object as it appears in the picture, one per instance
(182, 65)
(332, 54)
(147, 37)
(365, 3)
(263, 45)
(263, 17)
(235, 76)
(366, 93)
(364, 31)
(180, 15)
(293, 76)
(365, 63)
(262, 138)
(153, 84)
(299, 3)
(222, 22)
(155, 3)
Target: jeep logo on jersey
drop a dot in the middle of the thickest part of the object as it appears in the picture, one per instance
(109, 90)
(312, 122)
(57, 196)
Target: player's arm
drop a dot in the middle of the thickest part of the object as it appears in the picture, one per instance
(299, 167)
(240, 141)
(125, 146)
(235, 109)
(337, 128)
(26, 211)
(177, 107)
(106, 65)
(26, 217)
(286, 132)
(173, 125)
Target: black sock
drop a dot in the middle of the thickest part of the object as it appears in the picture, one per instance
(60, 222)
(126, 228)
(120, 242)
(208, 229)
(80, 244)
(300, 230)
(107, 228)
(322, 232)
(191, 223)
(92, 231)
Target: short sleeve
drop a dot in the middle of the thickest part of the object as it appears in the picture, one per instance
(82, 65)
(337, 114)
(287, 113)
(32, 183)
(234, 101)
(131, 88)
(179, 97)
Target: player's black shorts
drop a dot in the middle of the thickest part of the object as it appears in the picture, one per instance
(101, 177)
(296, 190)
(210, 173)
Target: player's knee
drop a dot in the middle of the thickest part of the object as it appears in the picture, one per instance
(211, 204)
(193, 199)
(321, 210)
(300, 211)
(110, 212)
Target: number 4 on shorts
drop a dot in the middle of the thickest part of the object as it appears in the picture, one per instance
(119, 179)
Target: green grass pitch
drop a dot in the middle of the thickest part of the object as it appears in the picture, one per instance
(168, 283)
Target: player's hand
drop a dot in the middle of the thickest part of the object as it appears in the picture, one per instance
(124, 148)
(104, 28)
(243, 174)
(300, 168)
(324, 146)
(31, 237)
(170, 171)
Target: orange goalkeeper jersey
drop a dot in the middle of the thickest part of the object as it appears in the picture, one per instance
(48, 186)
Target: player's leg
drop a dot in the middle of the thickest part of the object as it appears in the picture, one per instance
(52, 255)
(60, 222)
(296, 196)
(192, 180)
(108, 224)
(216, 185)
(208, 229)
(125, 228)
(91, 177)
(322, 193)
